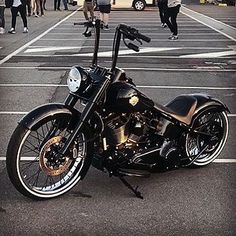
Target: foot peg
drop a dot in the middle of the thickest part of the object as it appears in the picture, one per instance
(134, 173)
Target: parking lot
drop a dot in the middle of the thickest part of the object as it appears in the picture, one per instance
(182, 202)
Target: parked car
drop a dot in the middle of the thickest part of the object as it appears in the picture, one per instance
(139, 5)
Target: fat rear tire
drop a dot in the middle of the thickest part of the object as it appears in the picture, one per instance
(213, 122)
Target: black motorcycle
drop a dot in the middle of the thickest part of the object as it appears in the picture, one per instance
(117, 129)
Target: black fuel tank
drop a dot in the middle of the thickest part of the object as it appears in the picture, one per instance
(123, 97)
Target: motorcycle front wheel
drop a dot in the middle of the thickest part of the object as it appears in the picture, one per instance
(32, 164)
(209, 137)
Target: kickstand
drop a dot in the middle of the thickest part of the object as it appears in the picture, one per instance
(135, 191)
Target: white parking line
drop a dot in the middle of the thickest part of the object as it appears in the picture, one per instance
(3, 158)
(197, 69)
(220, 27)
(25, 112)
(138, 86)
(153, 40)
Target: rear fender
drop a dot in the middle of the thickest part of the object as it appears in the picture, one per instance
(204, 100)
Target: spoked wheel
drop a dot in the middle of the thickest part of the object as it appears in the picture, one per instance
(33, 165)
(209, 137)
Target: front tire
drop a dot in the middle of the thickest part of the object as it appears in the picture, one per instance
(211, 131)
(31, 162)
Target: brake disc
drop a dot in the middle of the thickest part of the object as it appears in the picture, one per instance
(47, 161)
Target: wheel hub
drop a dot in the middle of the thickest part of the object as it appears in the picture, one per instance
(48, 161)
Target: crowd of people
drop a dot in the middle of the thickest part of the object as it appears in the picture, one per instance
(168, 10)
(25, 8)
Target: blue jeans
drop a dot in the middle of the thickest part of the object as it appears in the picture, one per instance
(65, 4)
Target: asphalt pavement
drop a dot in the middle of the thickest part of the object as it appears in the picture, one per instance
(183, 202)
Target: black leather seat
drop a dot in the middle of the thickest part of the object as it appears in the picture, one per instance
(181, 108)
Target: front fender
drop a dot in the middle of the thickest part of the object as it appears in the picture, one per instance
(33, 118)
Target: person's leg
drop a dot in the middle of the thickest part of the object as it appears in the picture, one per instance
(167, 15)
(91, 10)
(44, 5)
(2, 18)
(58, 4)
(55, 5)
(65, 4)
(173, 18)
(85, 11)
(28, 4)
(36, 8)
(14, 11)
(22, 10)
(105, 19)
(41, 7)
(33, 5)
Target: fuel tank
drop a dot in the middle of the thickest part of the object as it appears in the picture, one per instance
(126, 98)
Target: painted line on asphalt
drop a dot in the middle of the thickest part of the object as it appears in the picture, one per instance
(112, 33)
(153, 40)
(203, 18)
(199, 69)
(138, 86)
(223, 161)
(24, 113)
(8, 57)
(139, 28)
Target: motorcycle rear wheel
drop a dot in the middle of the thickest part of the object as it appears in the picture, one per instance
(31, 163)
(206, 144)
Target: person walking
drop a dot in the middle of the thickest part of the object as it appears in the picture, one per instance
(2, 17)
(88, 6)
(57, 4)
(172, 11)
(105, 9)
(162, 5)
(18, 6)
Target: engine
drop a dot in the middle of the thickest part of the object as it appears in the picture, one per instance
(128, 130)
(130, 135)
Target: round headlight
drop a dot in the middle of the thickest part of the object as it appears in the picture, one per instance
(74, 80)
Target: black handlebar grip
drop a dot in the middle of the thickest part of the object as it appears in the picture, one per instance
(133, 47)
(79, 23)
(144, 38)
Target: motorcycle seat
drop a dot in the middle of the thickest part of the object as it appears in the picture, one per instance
(181, 108)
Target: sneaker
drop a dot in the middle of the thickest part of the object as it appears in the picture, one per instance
(36, 15)
(12, 31)
(163, 25)
(173, 37)
(25, 30)
(106, 27)
(2, 30)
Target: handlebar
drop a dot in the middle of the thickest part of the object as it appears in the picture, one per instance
(132, 33)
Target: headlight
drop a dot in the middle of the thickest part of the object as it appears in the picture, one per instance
(74, 79)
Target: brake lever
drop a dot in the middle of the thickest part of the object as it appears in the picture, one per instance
(140, 41)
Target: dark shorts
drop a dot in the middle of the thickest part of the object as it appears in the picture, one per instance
(105, 8)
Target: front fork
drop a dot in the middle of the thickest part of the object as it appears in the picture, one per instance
(87, 112)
